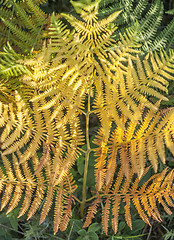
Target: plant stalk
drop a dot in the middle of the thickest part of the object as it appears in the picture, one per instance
(87, 153)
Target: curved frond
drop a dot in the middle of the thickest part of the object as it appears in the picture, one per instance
(145, 198)
(146, 139)
(19, 178)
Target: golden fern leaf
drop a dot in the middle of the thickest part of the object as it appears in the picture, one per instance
(43, 131)
(139, 140)
(47, 204)
(105, 215)
(127, 211)
(100, 165)
(67, 213)
(113, 74)
(70, 186)
(91, 212)
(58, 209)
(144, 198)
(115, 213)
(19, 178)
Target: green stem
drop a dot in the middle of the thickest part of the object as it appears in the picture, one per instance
(87, 153)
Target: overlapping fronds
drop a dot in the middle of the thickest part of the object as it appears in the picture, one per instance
(82, 70)
(149, 20)
(11, 71)
(9, 63)
(121, 79)
(123, 90)
(145, 197)
(26, 131)
(31, 124)
(22, 23)
(133, 145)
(24, 178)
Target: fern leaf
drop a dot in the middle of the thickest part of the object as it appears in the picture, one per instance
(47, 204)
(58, 210)
(115, 213)
(15, 199)
(127, 211)
(23, 16)
(7, 195)
(143, 197)
(105, 216)
(91, 212)
(100, 165)
(143, 216)
(164, 36)
(67, 213)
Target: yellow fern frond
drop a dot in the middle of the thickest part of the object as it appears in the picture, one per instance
(20, 178)
(79, 73)
(91, 212)
(144, 198)
(105, 215)
(58, 210)
(139, 140)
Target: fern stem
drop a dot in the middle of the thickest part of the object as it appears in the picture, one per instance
(84, 184)
(86, 160)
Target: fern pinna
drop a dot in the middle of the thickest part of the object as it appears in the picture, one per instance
(145, 17)
(23, 23)
(83, 71)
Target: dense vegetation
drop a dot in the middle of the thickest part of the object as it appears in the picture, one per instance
(87, 119)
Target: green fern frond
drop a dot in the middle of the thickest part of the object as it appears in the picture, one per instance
(166, 36)
(9, 63)
(106, 7)
(21, 13)
(149, 20)
(39, 15)
(23, 23)
(170, 11)
(149, 30)
(139, 9)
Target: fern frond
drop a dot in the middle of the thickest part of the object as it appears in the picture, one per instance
(41, 124)
(100, 165)
(115, 213)
(9, 65)
(22, 36)
(21, 13)
(36, 11)
(58, 210)
(143, 197)
(67, 214)
(165, 37)
(20, 178)
(149, 19)
(23, 23)
(105, 215)
(149, 31)
(137, 141)
(91, 212)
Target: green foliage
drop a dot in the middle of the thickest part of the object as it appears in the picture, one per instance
(147, 16)
(22, 24)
